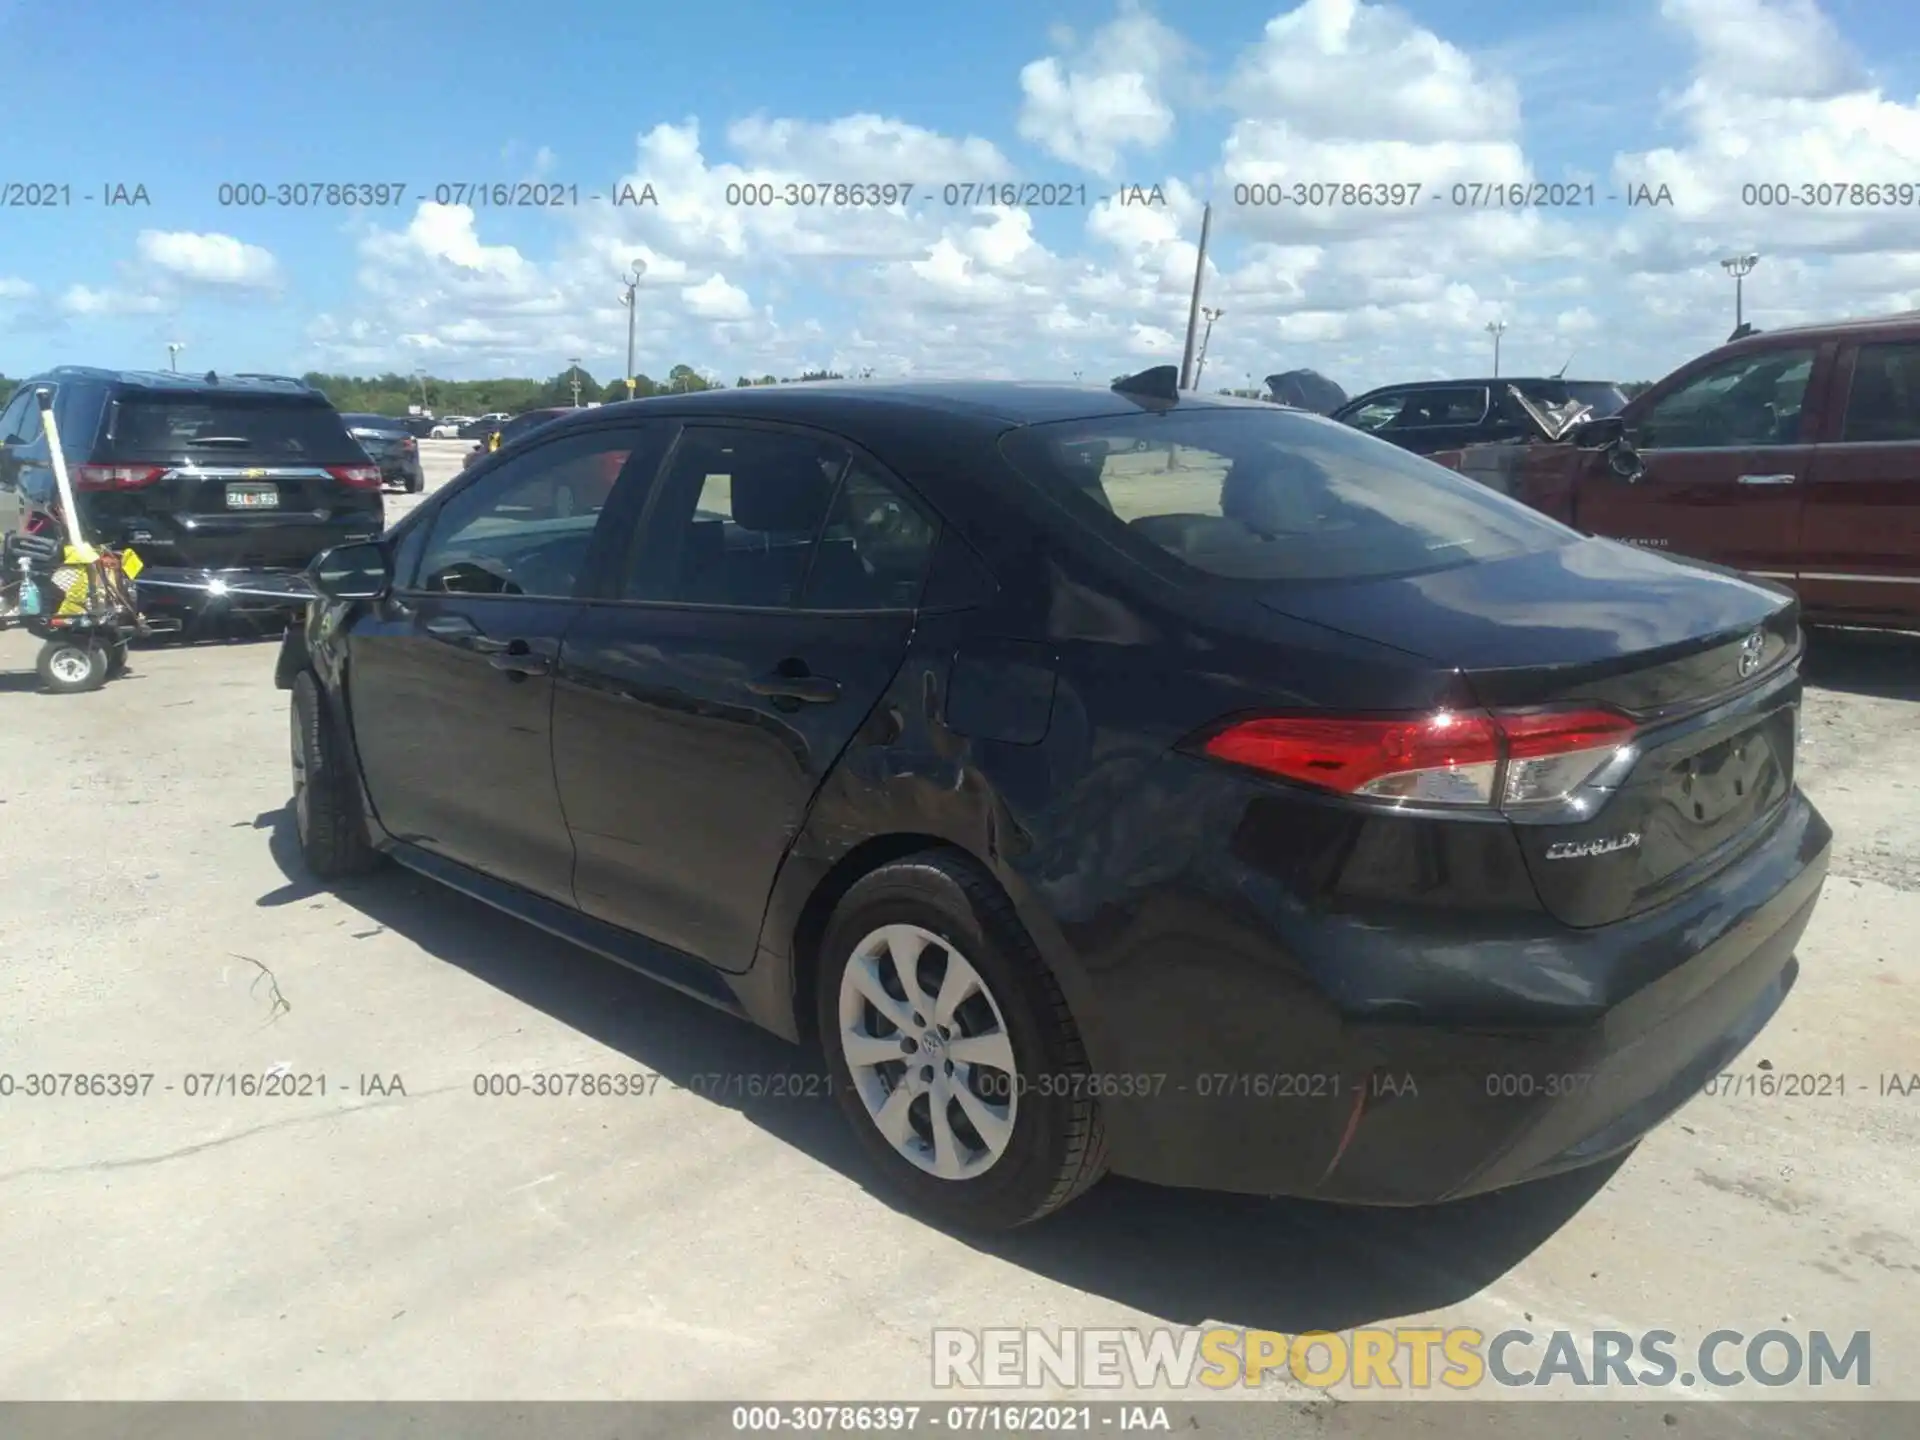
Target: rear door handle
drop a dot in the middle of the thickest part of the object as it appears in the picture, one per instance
(808, 689)
(1767, 479)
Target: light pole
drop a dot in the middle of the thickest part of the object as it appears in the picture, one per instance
(1496, 328)
(1076, 376)
(420, 374)
(1212, 313)
(1739, 266)
(174, 347)
(627, 299)
(1193, 306)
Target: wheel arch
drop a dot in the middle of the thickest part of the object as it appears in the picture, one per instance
(810, 928)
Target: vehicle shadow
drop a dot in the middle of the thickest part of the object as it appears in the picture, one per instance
(1184, 1256)
(1884, 664)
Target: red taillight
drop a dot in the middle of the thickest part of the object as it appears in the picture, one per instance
(1461, 757)
(407, 442)
(360, 477)
(115, 477)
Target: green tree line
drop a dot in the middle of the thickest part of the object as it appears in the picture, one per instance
(392, 393)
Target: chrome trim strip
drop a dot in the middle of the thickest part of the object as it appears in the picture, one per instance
(1862, 579)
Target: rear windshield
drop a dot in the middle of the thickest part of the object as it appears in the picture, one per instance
(375, 422)
(1272, 495)
(212, 428)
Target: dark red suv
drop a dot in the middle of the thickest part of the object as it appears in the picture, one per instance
(1793, 455)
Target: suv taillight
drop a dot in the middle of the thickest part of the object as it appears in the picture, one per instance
(360, 477)
(1457, 757)
(407, 442)
(115, 477)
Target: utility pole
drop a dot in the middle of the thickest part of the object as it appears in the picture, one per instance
(1739, 266)
(174, 347)
(1200, 368)
(1496, 328)
(574, 366)
(627, 298)
(1193, 307)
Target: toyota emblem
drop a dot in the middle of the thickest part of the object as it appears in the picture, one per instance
(1753, 650)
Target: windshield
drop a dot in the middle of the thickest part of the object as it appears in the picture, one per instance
(375, 422)
(1604, 399)
(1273, 495)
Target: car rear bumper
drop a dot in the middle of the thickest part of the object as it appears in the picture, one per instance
(163, 589)
(1535, 1052)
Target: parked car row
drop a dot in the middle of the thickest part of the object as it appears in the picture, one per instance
(1792, 455)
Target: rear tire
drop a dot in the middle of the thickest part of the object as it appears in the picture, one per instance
(326, 802)
(1019, 1133)
(72, 667)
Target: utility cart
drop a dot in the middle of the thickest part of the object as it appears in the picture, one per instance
(78, 599)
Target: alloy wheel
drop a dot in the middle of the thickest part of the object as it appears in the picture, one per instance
(927, 1047)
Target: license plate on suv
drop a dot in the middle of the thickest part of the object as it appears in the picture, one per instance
(253, 497)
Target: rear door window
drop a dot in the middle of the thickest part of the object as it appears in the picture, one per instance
(218, 429)
(1271, 495)
(737, 520)
(1884, 401)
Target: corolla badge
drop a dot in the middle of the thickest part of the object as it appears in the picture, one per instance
(1753, 650)
(1584, 849)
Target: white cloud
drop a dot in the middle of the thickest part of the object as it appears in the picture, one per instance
(715, 299)
(218, 260)
(1777, 99)
(1327, 92)
(1106, 98)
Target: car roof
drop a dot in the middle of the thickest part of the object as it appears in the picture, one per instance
(1469, 383)
(183, 382)
(990, 404)
(1903, 322)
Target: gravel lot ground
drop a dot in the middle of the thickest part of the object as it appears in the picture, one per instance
(154, 918)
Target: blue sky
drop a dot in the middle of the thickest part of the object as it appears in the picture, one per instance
(1705, 96)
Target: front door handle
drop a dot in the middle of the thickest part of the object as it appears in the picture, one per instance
(1767, 479)
(517, 657)
(808, 689)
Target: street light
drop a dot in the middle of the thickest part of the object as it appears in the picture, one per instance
(638, 269)
(420, 374)
(1496, 328)
(1200, 367)
(1739, 266)
(174, 347)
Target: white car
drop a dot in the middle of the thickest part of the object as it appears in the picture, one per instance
(447, 427)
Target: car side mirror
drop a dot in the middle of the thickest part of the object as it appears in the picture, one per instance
(1599, 434)
(359, 571)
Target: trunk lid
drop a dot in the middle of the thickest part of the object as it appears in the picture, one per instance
(1705, 661)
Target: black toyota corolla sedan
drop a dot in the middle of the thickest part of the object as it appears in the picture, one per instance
(1106, 779)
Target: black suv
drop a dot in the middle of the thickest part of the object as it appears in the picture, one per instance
(1429, 416)
(208, 478)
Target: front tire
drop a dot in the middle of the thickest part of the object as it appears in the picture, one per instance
(951, 1048)
(72, 667)
(326, 803)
